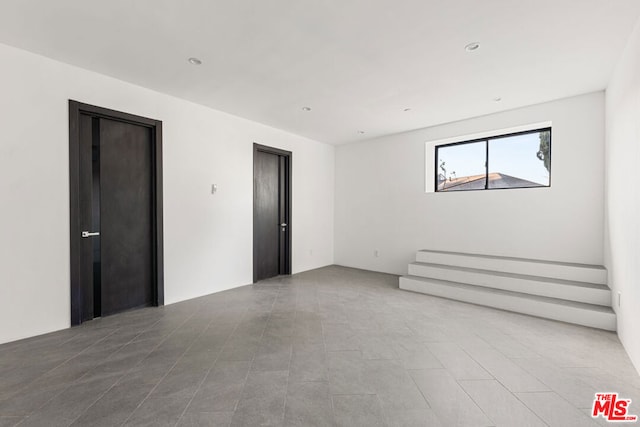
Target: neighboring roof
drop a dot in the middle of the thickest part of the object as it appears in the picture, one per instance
(476, 182)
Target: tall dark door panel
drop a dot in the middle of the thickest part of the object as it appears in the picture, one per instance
(116, 212)
(87, 203)
(267, 233)
(271, 213)
(125, 216)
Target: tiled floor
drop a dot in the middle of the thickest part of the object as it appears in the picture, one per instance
(333, 346)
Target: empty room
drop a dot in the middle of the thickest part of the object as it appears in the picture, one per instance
(319, 213)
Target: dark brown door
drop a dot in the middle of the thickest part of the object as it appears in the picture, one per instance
(117, 241)
(271, 212)
(125, 216)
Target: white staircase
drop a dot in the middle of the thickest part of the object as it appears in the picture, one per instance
(573, 293)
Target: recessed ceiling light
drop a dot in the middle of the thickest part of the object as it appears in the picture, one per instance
(306, 108)
(361, 132)
(497, 99)
(194, 61)
(407, 109)
(472, 46)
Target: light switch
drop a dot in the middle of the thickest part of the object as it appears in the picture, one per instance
(214, 188)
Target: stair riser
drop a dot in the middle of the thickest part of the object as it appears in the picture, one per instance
(566, 272)
(533, 287)
(594, 319)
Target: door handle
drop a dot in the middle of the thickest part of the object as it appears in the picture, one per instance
(284, 224)
(86, 234)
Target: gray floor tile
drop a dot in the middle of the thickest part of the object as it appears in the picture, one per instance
(503, 369)
(428, 332)
(158, 412)
(449, 401)
(417, 356)
(457, 361)
(347, 373)
(304, 349)
(339, 337)
(376, 347)
(71, 403)
(506, 344)
(9, 421)
(499, 404)
(231, 372)
(259, 411)
(413, 418)
(395, 388)
(262, 384)
(308, 404)
(206, 419)
(569, 386)
(216, 397)
(29, 400)
(554, 410)
(150, 371)
(181, 381)
(308, 363)
(600, 380)
(280, 326)
(358, 411)
(115, 406)
(272, 358)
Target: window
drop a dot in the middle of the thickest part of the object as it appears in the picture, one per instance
(517, 160)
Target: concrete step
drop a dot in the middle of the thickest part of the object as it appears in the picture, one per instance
(589, 293)
(533, 267)
(595, 316)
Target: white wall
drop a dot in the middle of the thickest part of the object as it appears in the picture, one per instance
(622, 194)
(208, 239)
(381, 201)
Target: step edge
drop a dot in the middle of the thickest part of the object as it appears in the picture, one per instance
(508, 258)
(586, 295)
(521, 276)
(608, 322)
(522, 295)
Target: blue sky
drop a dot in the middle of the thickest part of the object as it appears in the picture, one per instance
(515, 156)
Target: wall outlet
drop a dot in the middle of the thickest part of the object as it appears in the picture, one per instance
(376, 253)
(619, 298)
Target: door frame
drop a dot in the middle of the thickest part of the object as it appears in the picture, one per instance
(288, 156)
(75, 110)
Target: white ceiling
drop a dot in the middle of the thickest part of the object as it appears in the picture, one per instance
(357, 63)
